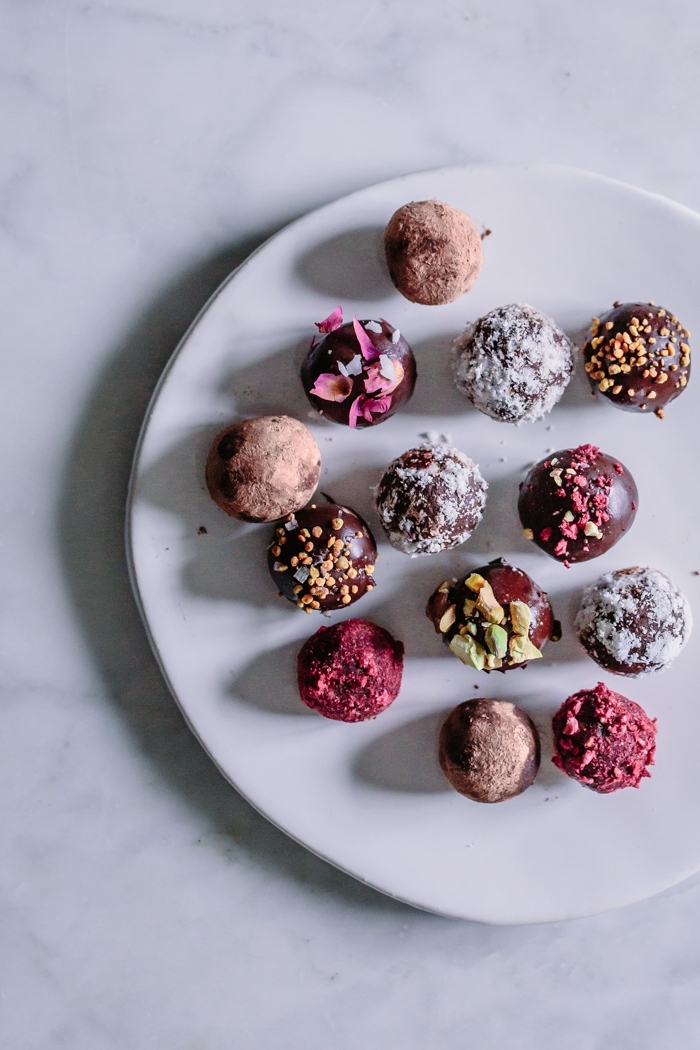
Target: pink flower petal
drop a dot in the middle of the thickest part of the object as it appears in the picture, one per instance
(331, 322)
(367, 347)
(331, 387)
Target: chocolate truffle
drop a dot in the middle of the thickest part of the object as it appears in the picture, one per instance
(430, 499)
(638, 357)
(350, 671)
(489, 750)
(577, 504)
(261, 469)
(358, 373)
(493, 619)
(633, 621)
(323, 557)
(603, 740)
(513, 364)
(433, 252)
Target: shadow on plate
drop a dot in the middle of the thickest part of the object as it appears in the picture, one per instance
(270, 682)
(350, 265)
(405, 759)
(436, 393)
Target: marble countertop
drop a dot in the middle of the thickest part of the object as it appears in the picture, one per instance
(147, 148)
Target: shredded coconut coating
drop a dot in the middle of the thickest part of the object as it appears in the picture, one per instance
(634, 621)
(513, 364)
(430, 499)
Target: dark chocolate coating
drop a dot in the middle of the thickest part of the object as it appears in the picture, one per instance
(599, 494)
(638, 357)
(489, 750)
(509, 584)
(349, 565)
(342, 347)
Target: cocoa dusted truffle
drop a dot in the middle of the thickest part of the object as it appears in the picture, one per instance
(350, 671)
(638, 357)
(513, 364)
(433, 252)
(489, 750)
(603, 740)
(323, 557)
(430, 499)
(493, 619)
(358, 373)
(633, 621)
(577, 504)
(261, 469)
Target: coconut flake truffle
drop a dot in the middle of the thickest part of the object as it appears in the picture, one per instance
(633, 621)
(430, 499)
(358, 373)
(433, 252)
(513, 364)
(263, 468)
(603, 740)
(489, 750)
(350, 671)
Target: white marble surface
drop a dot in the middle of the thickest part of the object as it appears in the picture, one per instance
(147, 147)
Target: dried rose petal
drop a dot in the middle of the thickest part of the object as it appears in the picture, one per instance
(331, 387)
(376, 380)
(369, 350)
(364, 406)
(331, 322)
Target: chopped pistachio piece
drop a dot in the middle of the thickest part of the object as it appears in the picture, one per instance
(471, 627)
(493, 662)
(522, 649)
(469, 606)
(591, 529)
(497, 640)
(447, 619)
(520, 617)
(474, 582)
(469, 652)
(444, 587)
(487, 605)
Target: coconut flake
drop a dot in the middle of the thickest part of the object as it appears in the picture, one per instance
(373, 326)
(354, 366)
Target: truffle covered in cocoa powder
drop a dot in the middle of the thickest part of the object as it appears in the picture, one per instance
(493, 619)
(638, 357)
(263, 468)
(489, 750)
(433, 252)
(577, 503)
(322, 557)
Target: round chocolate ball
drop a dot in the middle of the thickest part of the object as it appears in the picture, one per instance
(358, 373)
(603, 740)
(433, 252)
(513, 364)
(261, 469)
(638, 357)
(634, 621)
(489, 750)
(576, 504)
(494, 619)
(430, 499)
(350, 671)
(323, 557)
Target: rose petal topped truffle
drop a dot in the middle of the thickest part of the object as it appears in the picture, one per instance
(495, 618)
(577, 503)
(489, 750)
(603, 740)
(430, 499)
(634, 621)
(433, 252)
(261, 469)
(350, 671)
(323, 557)
(358, 373)
(638, 357)
(513, 364)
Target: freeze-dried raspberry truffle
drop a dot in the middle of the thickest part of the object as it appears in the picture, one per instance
(433, 252)
(513, 364)
(495, 618)
(430, 499)
(634, 621)
(261, 469)
(322, 557)
(358, 373)
(638, 357)
(489, 750)
(603, 740)
(350, 671)
(577, 503)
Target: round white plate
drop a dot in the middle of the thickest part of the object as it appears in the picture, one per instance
(370, 798)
